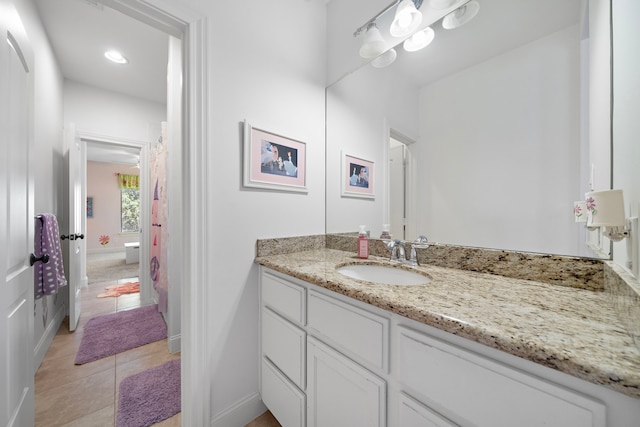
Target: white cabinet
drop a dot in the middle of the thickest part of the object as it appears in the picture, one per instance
(320, 381)
(329, 361)
(283, 349)
(341, 393)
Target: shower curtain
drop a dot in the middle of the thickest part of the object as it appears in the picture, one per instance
(159, 210)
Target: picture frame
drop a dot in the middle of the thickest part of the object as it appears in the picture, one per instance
(358, 177)
(273, 162)
(89, 207)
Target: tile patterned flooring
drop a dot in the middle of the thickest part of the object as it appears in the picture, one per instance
(87, 395)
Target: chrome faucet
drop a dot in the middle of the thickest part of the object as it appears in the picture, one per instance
(397, 251)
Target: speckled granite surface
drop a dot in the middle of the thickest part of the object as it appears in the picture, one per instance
(569, 271)
(572, 330)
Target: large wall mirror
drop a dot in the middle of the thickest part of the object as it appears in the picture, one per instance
(484, 138)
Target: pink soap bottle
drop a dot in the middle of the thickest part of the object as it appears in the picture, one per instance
(363, 243)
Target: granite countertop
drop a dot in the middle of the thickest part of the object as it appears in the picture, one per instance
(575, 331)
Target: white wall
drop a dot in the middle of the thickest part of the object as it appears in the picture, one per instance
(267, 65)
(358, 122)
(516, 115)
(626, 99)
(47, 161)
(103, 186)
(106, 113)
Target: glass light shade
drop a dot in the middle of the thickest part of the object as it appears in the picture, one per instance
(385, 59)
(419, 40)
(373, 44)
(407, 19)
(461, 15)
(606, 208)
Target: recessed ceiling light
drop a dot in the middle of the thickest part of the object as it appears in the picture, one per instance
(115, 56)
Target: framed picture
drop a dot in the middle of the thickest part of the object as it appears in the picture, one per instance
(89, 207)
(357, 177)
(273, 162)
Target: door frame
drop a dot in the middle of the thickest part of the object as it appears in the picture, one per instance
(191, 259)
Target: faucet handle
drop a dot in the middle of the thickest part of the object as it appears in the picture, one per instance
(421, 242)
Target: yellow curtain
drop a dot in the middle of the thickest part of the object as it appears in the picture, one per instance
(129, 181)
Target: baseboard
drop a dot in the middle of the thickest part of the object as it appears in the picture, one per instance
(47, 338)
(240, 414)
(174, 344)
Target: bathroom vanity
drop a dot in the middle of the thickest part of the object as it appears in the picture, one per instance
(465, 349)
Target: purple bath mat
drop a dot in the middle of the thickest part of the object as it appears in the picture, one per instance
(114, 333)
(150, 396)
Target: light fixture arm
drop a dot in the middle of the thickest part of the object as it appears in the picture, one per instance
(362, 28)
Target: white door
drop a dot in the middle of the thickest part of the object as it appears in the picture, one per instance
(74, 232)
(16, 223)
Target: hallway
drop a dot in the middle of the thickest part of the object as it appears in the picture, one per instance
(86, 395)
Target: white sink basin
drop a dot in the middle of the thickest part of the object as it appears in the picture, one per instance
(383, 275)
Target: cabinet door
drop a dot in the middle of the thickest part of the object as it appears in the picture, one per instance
(341, 393)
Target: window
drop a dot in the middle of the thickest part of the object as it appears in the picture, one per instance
(130, 210)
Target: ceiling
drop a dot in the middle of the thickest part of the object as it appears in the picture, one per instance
(80, 31)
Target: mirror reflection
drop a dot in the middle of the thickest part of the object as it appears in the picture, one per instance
(481, 138)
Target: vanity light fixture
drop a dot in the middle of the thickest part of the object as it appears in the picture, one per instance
(385, 59)
(419, 40)
(407, 19)
(115, 56)
(461, 15)
(606, 209)
(440, 4)
(373, 44)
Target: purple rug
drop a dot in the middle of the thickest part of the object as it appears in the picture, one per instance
(150, 396)
(117, 332)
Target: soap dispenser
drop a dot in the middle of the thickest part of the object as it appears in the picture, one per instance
(363, 243)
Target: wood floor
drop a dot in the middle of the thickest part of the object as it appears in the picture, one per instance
(86, 395)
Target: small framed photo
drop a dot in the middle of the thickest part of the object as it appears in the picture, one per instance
(273, 162)
(357, 177)
(89, 207)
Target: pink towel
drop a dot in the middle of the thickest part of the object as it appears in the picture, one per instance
(49, 277)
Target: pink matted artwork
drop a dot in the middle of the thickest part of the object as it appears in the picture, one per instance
(357, 177)
(274, 162)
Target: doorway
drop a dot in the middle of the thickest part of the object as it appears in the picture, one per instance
(190, 29)
(112, 220)
(401, 222)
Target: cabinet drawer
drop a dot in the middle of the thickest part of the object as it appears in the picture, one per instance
(284, 344)
(414, 414)
(360, 334)
(283, 297)
(284, 400)
(473, 390)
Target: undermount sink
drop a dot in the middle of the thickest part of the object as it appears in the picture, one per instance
(383, 275)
